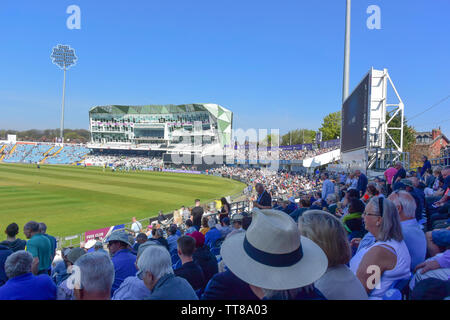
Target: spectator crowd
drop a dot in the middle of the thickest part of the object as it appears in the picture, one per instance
(335, 236)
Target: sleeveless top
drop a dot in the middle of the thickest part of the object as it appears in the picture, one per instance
(400, 271)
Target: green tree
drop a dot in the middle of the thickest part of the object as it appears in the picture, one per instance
(331, 126)
(298, 136)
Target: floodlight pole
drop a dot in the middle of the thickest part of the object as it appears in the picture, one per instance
(346, 52)
(62, 109)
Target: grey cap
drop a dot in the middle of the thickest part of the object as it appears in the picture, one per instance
(74, 254)
(119, 235)
(237, 217)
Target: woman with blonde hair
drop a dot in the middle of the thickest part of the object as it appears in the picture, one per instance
(387, 260)
(177, 218)
(327, 231)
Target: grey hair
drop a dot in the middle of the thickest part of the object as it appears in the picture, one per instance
(96, 272)
(18, 263)
(42, 227)
(156, 260)
(406, 200)
(331, 198)
(390, 227)
(33, 226)
(211, 222)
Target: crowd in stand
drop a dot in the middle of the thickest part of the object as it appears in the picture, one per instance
(278, 154)
(121, 161)
(354, 239)
(279, 184)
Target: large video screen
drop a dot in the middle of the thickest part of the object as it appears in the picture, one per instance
(354, 117)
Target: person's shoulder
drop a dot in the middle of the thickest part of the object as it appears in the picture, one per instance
(44, 279)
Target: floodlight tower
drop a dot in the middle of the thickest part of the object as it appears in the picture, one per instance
(64, 57)
(346, 52)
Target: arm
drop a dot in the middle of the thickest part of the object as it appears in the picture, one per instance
(444, 259)
(378, 257)
(35, 266)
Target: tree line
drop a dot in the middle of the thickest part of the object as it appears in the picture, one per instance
(48, 135)
(331, 129)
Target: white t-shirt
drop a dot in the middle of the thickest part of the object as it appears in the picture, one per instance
(136, 227)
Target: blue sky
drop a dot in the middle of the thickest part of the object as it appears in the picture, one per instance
(275, 64)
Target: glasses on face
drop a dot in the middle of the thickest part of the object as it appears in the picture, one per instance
(370, 214)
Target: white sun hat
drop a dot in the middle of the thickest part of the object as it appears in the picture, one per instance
(272, 254)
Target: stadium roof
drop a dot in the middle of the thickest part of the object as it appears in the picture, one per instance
(215, 109)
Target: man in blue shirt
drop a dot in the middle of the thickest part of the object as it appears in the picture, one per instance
(413, 235)
(172, 238)
(213, 234)
(5, 252)
(43, 230)
(264, 200)
(401, 174)
(122, 257)
(426, 165)
(22, 284)
(327, 186)
(362, 182)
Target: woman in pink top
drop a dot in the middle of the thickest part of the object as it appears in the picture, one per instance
(389, 174)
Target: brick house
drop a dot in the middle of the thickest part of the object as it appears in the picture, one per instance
(429, 143)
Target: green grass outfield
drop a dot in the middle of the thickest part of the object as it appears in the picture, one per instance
(73, 200)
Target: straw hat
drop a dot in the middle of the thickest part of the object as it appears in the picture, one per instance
(272, 254)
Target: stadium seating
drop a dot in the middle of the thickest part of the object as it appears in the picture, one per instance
(19, 154)
(34, 153)
(68, 155)
(37, 153)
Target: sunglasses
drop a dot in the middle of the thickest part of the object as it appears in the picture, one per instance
(380, 205)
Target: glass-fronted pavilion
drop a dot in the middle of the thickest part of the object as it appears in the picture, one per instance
(161, 124)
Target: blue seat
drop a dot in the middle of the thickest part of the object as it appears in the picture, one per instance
(398, 290)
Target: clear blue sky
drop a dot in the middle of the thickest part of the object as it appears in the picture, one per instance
(275, 64)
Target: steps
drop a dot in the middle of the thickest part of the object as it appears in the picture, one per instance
(49, 156)
(1, 150)
(13, 148)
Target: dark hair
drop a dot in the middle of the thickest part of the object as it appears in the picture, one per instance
(12, 230)
(353, 193)
(246, 221)
(141, 236)
(225, 221)
(189, 223)
(173, 229)
(186, 245)
(372, 190)
(356, 205)
(224, 201)
(197, 200)
(204, 222)
(306, 203)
